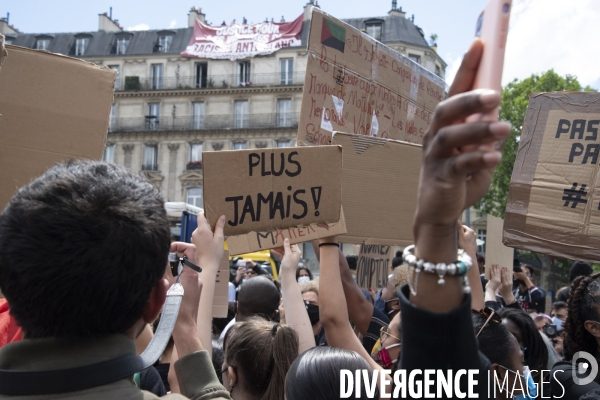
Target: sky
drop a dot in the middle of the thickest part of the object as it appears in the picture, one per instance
(543, 34)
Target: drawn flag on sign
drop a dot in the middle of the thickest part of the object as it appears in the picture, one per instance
(333, 35)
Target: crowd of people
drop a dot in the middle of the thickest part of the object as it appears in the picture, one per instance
(85, 274)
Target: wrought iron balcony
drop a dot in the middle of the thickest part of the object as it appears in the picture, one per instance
(137, 83)
(194, 165)
(209, 122)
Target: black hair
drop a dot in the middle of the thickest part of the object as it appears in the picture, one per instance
(219, 324)
(530, 268)
(494, 341)
(352, 260)
(302, 267)
(583, 305)
(536, 355)
(398, 260)
(217, 358)
(257, 296)
(81, 248)
(580, 268)
(558, 305)
(315, 374)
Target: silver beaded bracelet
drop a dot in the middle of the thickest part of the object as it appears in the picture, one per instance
(458, 268)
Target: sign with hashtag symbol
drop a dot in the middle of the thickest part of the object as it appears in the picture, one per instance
(574, 197)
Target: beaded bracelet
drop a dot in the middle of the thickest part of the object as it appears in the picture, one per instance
(458, 268)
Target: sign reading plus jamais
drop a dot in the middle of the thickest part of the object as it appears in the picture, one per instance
(237, 41)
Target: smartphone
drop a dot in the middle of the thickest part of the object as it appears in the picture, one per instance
(492, 29)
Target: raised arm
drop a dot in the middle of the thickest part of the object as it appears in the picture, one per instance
(209, 253)
(359, 308)
(333, 311)
(295, 310)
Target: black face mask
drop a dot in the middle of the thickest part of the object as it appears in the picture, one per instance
(313, 313)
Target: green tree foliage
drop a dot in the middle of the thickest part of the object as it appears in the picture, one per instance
(515, 98)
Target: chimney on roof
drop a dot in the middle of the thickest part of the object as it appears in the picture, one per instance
(5, 28)
(107, 24)
(395, 11)
(194, 14)
(308, 10)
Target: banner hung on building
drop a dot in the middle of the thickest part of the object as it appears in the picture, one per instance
(238, 41)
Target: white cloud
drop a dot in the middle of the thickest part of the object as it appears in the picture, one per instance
(139, 27)
(173, 24)
(547, 34)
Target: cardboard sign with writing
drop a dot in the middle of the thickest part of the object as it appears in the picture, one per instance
(495, 252)
(267, 189)
(256, 241)
(358, 85)
(221, 297)
(554, 201)
(373, 266)
(54, 108)
(379, 189)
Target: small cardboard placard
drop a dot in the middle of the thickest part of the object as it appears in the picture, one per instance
(380, 179)
(53, 108)
(268, 189)
(495, 252)
(256, 241)
(554, 200)
(373, 266)
(221, 298)
(356, 84)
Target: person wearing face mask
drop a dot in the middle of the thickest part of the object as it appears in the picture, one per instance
(386, 299)
(310, 294)
(386, 351)
(303, 274)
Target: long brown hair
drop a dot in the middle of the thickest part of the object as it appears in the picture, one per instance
(262, 352)
(583, 305)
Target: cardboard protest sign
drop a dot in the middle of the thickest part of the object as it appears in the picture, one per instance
(358, 85)
(373, 266)
(554, 201)
(256, 241)
(267, 189)
(221, 298)
(495, 252)
(379, 189)
(53, 108)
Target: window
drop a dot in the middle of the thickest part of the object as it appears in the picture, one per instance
(118, 69)
(281, 144)
(286, 65)
(195, 152)
(122, 44)
(201, 72)
(198, 115)
(481, 235)
(42, 44)
(438, 72)
(194, 197)
(240, 117)
(113, 121)
(157, 77)
(374, 30)
(284, 112)
(150, 158)
(109, 154)
(153, 117)
(244, 74)
(415, 58)
(164, 43)
(80, 46)
(9, 39)
(240, 146)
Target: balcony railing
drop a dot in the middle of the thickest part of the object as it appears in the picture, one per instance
(194, 165)
(211, 82)
(209, 122)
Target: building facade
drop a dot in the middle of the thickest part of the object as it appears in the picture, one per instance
(168, 109)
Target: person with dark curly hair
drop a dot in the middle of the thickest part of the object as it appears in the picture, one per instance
(582, 334)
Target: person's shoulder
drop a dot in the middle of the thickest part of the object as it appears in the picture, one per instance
(151, 396)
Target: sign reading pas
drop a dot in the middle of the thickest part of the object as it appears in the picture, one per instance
(263, 190)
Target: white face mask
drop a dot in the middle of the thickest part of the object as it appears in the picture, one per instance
(303, 279)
